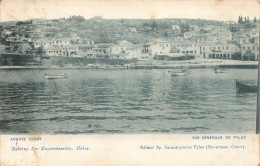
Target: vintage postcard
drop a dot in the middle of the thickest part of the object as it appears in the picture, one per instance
(129, 82)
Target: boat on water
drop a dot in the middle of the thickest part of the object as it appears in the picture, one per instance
(55, 76)
(242, 87)
(178, 72)
(217, 70)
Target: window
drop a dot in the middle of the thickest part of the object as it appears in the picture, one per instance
(191, 51)
(253, 48)
(227, 47)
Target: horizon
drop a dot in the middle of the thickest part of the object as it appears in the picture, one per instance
(116, 9)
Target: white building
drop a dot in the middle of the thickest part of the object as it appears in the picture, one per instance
(188, 35)
(61, 42)
(219, 50)
(120, 47)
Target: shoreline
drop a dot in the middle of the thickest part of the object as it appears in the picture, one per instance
(188, 64)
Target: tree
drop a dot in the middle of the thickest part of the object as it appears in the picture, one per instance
(154, 25)
(78, 18)
(255, 20)
(145, 24)
(187, 27)
(166, 34)
(240, 19)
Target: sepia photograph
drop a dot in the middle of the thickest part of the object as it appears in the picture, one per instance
(129, 67)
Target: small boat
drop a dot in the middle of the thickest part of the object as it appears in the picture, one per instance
(55, 76)
(217, 70)
(242, 87)
(178, 73)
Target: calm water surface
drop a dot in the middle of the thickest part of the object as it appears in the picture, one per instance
(126, 101)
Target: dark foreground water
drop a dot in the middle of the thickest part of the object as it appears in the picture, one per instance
(125, 101)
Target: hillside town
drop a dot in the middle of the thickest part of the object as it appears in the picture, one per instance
(161, 39)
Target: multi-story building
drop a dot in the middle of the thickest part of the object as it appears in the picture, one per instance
(250, 51)
(61, 42)
(249, 48)
(68, 50)
(120, 47)
(219, 50)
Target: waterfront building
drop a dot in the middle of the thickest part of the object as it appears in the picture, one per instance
(68, 50)
(188, 48)
(54, 51)
(160, 47)
(249, 48)
(101, 51)
(219, 50)
(134, 52)
(120, 47)
(250, 51)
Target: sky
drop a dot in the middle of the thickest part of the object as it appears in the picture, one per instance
(224, 10)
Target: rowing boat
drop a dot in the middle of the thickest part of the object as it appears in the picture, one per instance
(242, 87)
(178, 73)
(55, 76)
